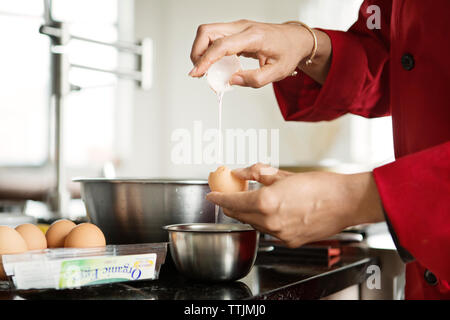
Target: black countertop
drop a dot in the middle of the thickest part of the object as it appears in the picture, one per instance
(272, 277)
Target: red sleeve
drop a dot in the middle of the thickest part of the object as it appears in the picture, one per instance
(358, 78)
(415, 191)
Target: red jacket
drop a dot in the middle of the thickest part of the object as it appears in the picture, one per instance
(401, 70)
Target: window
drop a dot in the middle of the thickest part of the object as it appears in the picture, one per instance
(24, 79)
(25, 135)
(89, 117)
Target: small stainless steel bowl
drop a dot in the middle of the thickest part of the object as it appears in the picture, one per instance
(213, 252)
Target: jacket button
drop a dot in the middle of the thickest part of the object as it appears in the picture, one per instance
(430, 278)
(407, 62)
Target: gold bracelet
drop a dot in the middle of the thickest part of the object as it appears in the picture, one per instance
(314, 50)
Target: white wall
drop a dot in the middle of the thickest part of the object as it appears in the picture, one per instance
(177, 100)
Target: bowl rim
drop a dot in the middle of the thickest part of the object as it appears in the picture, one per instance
(146, 180)
(241, 227)
(141, 180)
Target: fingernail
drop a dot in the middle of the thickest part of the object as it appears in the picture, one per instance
(193, 71)
(237, 170)
(237, 80)
(268, 171)
(209, 195)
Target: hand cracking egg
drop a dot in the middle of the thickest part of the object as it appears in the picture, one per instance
(223, 180)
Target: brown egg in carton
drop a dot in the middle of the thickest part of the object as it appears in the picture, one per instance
(61, 234)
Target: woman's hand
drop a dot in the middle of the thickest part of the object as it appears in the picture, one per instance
(298, 208)
(280, 48)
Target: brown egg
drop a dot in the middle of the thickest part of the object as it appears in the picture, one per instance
(57, 232)
(85, 235)
(33, 236)
(10, 242)
(223, 180)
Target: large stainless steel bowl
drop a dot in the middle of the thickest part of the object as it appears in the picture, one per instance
(135, 210)
(213, 252)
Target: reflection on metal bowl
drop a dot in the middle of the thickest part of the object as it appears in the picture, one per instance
(135, 210)
(213, 252)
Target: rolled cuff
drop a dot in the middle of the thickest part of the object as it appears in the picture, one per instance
(414, 191)
(402, 252)
(302, 98)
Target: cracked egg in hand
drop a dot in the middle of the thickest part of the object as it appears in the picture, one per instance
(223, 180)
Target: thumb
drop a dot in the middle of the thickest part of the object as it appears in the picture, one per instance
(259, 172)
(256, 78)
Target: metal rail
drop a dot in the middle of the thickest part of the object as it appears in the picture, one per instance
(59, 35)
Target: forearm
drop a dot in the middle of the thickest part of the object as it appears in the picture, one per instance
(363, 200)
(318, 70)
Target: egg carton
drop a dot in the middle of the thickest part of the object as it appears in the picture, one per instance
(62, 268)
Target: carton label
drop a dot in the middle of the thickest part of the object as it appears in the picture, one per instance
(98, 270)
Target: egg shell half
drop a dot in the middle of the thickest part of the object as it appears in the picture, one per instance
(219, 74)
